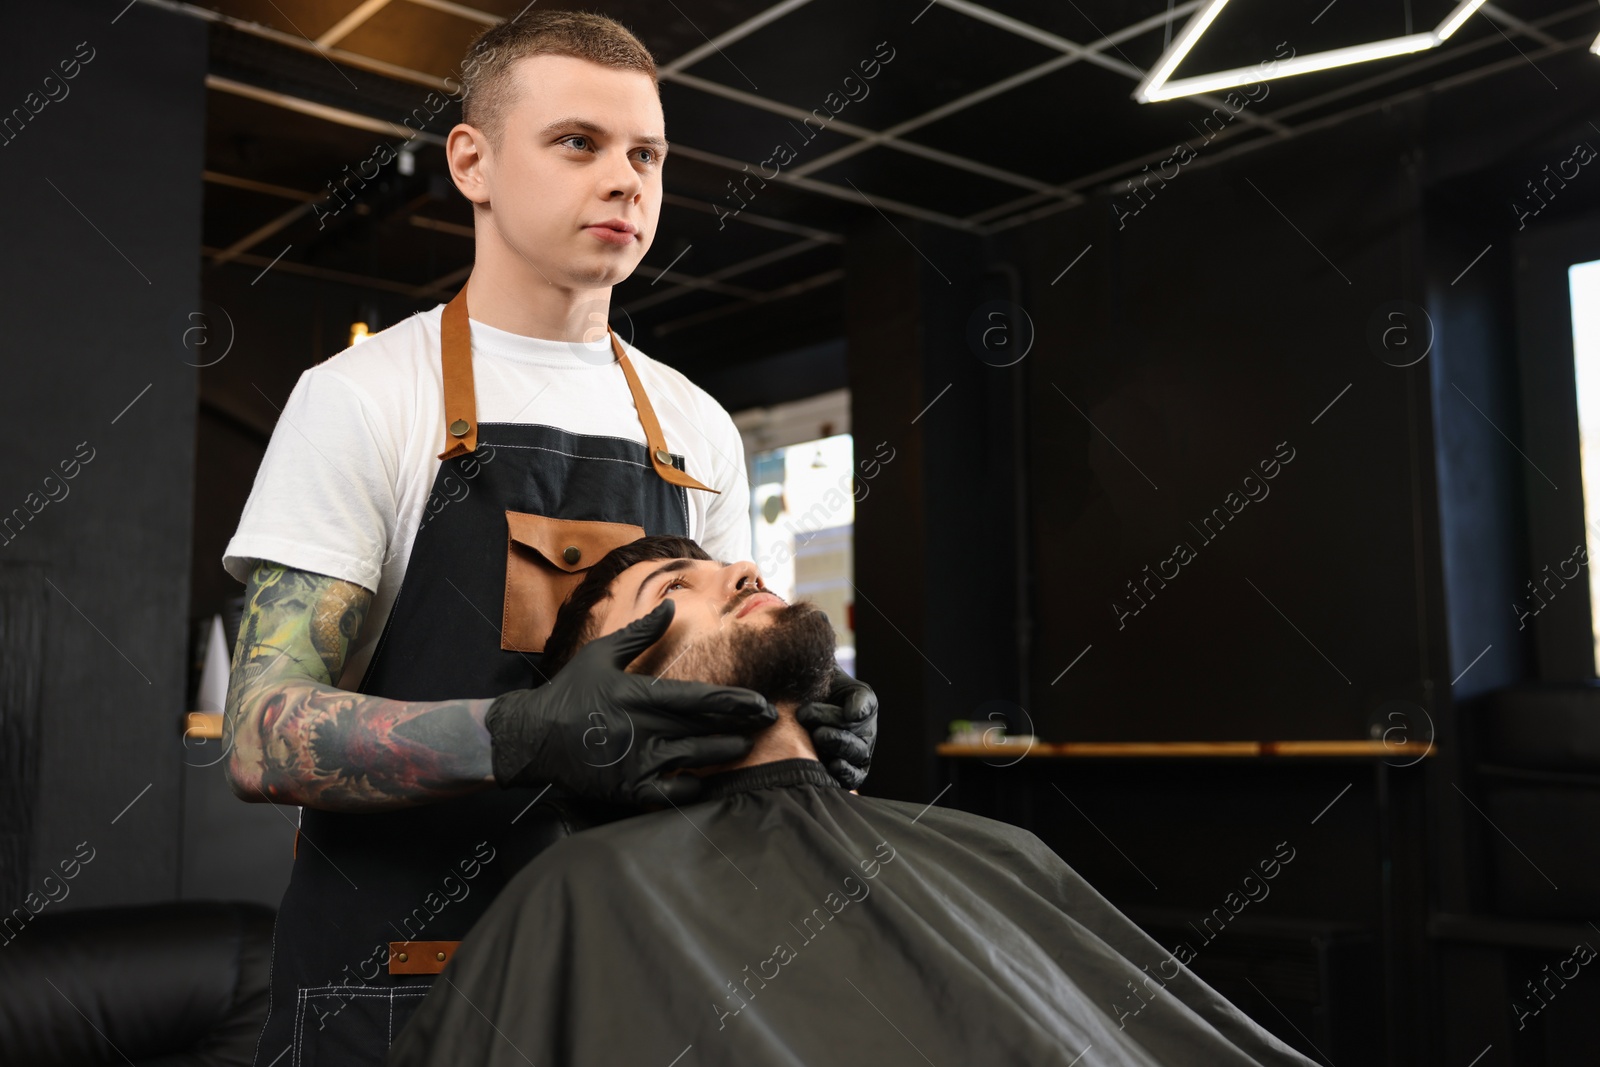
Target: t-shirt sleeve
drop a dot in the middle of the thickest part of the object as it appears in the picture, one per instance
(324, 497)
(727, 534)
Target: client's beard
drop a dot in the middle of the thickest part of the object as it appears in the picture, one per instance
(789, 659)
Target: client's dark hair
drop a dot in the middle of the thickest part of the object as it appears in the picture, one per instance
(575, 623)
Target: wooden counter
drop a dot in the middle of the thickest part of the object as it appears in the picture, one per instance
(1191, 749)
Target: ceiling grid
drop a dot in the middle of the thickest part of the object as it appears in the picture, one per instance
(864, 164)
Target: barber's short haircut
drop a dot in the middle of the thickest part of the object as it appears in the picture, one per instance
(575, 623)
(487, 85)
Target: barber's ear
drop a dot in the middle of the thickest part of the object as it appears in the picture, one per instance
(467, 151)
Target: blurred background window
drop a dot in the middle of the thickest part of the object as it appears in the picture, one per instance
(802, 506)
(1584, 279)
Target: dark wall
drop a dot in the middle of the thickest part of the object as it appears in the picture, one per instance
(939, 552)
(1248, 312)
(1223, 319)
(767, 380)
(104, 188)
(1186, 349)
(887, 390)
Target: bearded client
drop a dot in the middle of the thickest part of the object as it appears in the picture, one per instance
(781, 919)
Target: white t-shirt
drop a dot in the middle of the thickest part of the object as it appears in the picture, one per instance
(342, 488)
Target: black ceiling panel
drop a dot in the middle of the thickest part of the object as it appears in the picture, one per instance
(1065, 125)
(739, 131)
(1085, 23)
(709, 256)
(803, 57)
(417, 37)
(228, 215)
(805, 264)
(255, 140)
(670, 30)
(888, 173)
(777, 199)
(310, 75)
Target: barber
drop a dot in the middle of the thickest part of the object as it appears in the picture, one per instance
(425, 502)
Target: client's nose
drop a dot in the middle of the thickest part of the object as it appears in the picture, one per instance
(743, 577)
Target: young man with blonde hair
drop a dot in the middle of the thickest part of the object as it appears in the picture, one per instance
(426, 501)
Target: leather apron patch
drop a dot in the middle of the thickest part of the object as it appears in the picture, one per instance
(420, 957)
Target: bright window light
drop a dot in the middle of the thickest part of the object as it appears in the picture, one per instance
(803, 524)
(1584, 282)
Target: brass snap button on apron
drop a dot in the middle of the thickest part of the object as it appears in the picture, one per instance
(401, 957)
(664, 456)
(459, 428)
(572, 554)
(439, 956)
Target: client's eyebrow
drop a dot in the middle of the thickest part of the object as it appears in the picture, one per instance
(675, 565)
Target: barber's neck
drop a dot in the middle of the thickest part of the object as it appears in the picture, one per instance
(509, 293)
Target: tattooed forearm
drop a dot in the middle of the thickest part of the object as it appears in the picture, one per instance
(297, 739)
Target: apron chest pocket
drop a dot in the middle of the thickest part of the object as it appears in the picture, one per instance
(545, 560)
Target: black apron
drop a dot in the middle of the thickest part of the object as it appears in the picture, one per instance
(377, 901)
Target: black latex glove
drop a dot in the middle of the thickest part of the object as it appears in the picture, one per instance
(844, 729)
(601, 733)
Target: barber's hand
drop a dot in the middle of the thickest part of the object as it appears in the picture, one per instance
(844, 729)
(600, 732)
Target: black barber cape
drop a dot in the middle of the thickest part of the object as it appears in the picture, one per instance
(783, 920)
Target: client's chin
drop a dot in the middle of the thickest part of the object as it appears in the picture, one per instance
(788, 660)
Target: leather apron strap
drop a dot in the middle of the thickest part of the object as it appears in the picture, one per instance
(460, 398)
(655, 441)
(461, 405)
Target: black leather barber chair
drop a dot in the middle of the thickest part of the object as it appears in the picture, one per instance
(160, 985)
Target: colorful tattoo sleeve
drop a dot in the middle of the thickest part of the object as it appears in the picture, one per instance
(297, 739)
